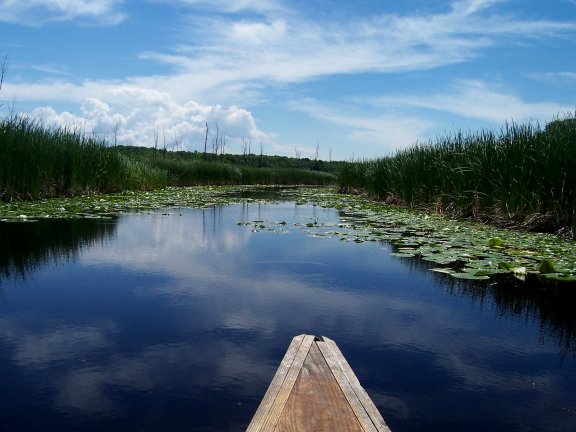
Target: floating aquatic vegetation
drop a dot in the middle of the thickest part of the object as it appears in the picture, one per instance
(464, 250)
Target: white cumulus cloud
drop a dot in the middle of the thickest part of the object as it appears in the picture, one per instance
(146, 117)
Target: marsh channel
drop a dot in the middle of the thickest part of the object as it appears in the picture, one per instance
(176, 318)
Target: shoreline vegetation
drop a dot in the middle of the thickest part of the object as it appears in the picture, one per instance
(521, 177)
(37, 162)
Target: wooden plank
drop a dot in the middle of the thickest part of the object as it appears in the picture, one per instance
(347, 389)
(274, 387)
(314, 389)
(288, 384)
(316, 402)
(360, 402)
(279, 390)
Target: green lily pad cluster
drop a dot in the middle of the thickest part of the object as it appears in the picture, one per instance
(461, 249)
(105, 206)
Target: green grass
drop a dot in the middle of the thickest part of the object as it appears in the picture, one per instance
(38, 162)
(247, 159)
(521, 175)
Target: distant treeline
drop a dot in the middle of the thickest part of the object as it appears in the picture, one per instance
(196, 168)
(246, 159)
(38, 162)
(520, 176)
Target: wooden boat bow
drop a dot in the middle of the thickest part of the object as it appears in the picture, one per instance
(314, 389)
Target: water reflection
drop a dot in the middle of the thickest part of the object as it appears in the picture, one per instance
(25, 247)
(179, 319)
(553, 308)
(510, 299)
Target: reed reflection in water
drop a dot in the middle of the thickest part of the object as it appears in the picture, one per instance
(25, 247)
(177, 320)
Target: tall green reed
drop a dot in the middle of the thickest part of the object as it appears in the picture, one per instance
(39, 162)
(521, 175)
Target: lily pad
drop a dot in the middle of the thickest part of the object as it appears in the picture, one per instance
(557, 277)
(469, 276)
(546, 266)
(443, 270)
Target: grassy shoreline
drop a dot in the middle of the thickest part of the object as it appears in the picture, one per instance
(521, 176)
(38, 162)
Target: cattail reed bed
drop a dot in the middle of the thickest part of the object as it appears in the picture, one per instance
(521, 176)
(37, 162)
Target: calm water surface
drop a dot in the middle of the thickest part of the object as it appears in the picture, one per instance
(178, 321)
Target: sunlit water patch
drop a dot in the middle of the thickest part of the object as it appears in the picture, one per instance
(176, 319)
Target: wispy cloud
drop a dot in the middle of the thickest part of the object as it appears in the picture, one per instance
(227, 6)
(477, 100)
(40, 12)
(295, 48)
(227, 51)
(368, 134)
(559, 78)
(50, 69)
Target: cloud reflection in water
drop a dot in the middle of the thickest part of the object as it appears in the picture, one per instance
(182, 318)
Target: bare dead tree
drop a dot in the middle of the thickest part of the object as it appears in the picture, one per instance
(155, 138)
(298, 152)
(330, 154)
(216, 141)
(244, 147)
(317, 150)
(261, 160)
(176, 142)
(3, 69)
(205, 138)
(115, 134)
(246, 143)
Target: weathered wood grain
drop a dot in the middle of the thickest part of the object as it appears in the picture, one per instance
(314, 389)
(279, 390)
(317, 402)
(361, 401)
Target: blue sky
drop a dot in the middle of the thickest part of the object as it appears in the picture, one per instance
(358, 79)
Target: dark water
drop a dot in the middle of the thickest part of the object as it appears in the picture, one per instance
(155, 322)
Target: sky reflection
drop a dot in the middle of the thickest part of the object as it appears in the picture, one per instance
(182, 317)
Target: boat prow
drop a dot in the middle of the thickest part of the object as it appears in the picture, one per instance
(315, 389)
